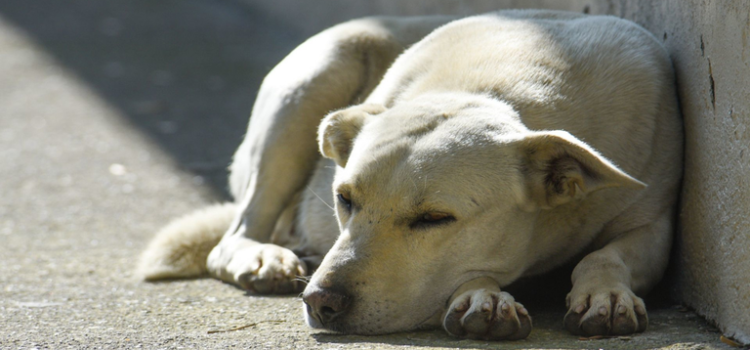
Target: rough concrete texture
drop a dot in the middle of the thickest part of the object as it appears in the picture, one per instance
(709, 42)
(116, 117)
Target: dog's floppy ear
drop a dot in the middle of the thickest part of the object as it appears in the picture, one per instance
(559, 168)
(338, 130)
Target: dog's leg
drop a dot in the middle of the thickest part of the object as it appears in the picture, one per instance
(333, 69)
(480, 310)
(603, 301)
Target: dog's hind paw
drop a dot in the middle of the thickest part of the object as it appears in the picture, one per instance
(488, 315)
(261, 268)
(605, 311)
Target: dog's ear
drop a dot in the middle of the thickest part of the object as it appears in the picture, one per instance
(337, 130)
(559, 168)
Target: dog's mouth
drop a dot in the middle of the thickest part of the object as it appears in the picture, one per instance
(431, 322)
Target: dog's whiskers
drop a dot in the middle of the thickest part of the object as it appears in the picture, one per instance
(302, 279)
(321, 199)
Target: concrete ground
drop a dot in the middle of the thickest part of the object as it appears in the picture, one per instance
(117, 116)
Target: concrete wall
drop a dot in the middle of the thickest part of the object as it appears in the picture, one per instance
(709, 42)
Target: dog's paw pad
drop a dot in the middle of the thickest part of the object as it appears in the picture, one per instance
(615, 311)
(483, 314)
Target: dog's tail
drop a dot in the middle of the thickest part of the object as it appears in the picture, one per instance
(180, 249)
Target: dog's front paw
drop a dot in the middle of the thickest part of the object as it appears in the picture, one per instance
(488, 315)
(605, 311)
(260, 268)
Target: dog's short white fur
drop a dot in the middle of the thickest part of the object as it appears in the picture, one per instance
(494, 147)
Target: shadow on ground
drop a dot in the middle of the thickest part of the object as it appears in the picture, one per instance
(185, 73)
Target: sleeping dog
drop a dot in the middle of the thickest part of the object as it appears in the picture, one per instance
(421, 165)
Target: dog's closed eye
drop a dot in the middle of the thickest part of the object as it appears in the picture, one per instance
(432, 219)
(345, 201)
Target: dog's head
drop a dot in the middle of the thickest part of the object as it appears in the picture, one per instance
(433, 193)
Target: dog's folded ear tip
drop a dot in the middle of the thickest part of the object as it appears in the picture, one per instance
(618, 178)
(338, 129)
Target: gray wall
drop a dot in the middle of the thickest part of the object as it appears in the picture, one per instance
(709, 42)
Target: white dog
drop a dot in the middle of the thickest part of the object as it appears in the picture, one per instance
(494, 147)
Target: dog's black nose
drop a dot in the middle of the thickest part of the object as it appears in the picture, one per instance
(325, 304)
